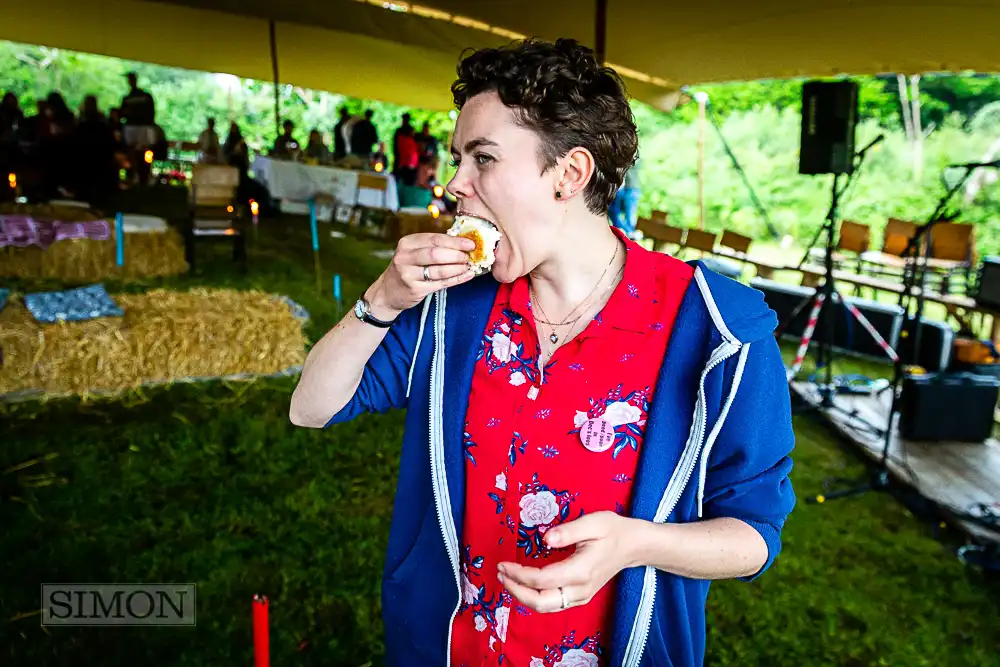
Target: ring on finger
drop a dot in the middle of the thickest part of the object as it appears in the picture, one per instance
(427, 273)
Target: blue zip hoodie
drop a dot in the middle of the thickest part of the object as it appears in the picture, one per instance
(720, 416)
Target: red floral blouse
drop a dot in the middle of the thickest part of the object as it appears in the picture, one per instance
(527, 467)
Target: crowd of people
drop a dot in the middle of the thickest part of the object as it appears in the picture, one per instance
(58, 153)
(414, 154)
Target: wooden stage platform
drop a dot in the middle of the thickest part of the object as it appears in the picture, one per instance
(955, 476)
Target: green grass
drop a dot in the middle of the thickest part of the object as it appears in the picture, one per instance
(210, 484)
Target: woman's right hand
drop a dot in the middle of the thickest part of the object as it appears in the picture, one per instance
(402, 284)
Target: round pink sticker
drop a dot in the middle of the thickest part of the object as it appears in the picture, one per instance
(597, 435)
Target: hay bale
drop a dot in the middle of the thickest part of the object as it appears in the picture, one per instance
(89, 260)
(164, 337)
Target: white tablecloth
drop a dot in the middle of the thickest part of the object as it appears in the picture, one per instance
(297, 182)
(143, 224)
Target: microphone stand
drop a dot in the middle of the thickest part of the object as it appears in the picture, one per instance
(828, 296)
(879, 479)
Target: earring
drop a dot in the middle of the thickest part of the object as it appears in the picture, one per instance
(558, 194)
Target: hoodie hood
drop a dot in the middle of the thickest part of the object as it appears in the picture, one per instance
(739, 312)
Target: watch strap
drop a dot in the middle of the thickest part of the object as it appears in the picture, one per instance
(366, 317)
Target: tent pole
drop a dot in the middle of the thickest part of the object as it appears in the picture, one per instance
(601, 30)
(272, 29)
(702, 100)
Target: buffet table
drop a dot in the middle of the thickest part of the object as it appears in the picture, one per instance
(295, 183)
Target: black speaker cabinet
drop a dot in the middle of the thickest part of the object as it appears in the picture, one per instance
(848, 334)
(829, 115)
(947, 407)
(988, 284)
(936, 342)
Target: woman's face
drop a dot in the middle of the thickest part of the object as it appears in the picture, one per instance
(500, 178)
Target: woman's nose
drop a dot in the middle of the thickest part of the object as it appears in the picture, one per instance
(459, 186)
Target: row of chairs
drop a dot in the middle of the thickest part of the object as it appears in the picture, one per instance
(728, 245)
(949, 241)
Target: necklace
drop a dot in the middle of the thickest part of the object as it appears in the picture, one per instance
(554, 337)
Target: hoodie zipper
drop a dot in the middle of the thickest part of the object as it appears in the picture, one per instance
(439, 479)
(671, 496)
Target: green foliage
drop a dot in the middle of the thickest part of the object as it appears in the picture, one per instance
(766, 143)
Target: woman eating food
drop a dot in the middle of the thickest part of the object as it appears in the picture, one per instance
(594, 431)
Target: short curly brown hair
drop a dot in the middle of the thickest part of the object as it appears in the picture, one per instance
(562, 93)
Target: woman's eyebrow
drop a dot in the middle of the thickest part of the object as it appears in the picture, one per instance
(472, 145)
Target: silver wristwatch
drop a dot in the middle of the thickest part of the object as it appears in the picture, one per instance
(363, 311)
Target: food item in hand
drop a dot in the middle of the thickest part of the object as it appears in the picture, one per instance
(484, 234)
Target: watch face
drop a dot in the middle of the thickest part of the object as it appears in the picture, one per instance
(360, 310)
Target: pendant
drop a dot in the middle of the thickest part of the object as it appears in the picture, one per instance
(554, 338)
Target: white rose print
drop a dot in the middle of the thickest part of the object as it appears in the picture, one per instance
(501, 347)
(503, 615)
(538, 509)
(517, 379)
(621, 413)
(502, 481)
(576, 657)
(480, 623)
(579, 419)
(469, 591)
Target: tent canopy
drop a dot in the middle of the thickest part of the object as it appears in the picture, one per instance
(406, 52)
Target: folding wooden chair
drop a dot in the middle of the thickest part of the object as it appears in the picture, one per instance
(367, 181)
(954, 242)
(660, 233)
(215, 210)
(697, 239)
(659, 216)
(897, 236)
(737, 243)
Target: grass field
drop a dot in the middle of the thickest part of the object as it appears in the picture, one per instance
(211, 484)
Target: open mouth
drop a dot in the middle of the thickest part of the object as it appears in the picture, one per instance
(484, 234)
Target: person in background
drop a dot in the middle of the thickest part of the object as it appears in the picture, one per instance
(54, 149)
(404, 127)
(95, 176)
(138, 112)
(379, 156)
(11, 122)
(624, 211)
(11, 117)
(63, 119)
(339, 135)
(426, 141)
(234, 151)
(407, 156)
(316, 148)
(208, 144)
(285, 146)
(364, 136)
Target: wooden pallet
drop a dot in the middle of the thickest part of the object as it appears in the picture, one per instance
(953, 475)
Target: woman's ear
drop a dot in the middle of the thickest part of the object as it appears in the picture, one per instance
(576, 169)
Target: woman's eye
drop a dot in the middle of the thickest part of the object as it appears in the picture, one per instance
(454, 162)
(483, 159)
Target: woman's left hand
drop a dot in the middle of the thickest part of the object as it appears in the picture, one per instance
(601, 553)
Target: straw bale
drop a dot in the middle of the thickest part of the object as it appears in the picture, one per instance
(89, 260)
(164, 337)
